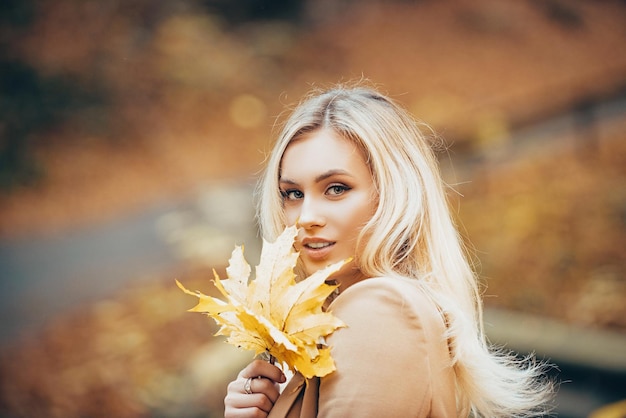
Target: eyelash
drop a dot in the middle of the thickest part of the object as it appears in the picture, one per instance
(337, 189)
(342, 189)
(286, 194)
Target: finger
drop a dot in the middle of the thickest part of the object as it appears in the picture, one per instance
(261, 385)
(263, 369)
(249, 386)
(244, 401)
(244, 413)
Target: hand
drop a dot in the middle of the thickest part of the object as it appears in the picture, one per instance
(263, 390)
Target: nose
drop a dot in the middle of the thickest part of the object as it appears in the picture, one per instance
(311, 214)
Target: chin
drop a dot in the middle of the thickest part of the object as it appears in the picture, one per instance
(348, 271)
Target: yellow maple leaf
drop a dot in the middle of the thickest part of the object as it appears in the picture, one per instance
(273, 313)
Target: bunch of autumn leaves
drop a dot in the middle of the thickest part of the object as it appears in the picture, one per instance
(274, 314)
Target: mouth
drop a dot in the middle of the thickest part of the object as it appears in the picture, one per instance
(317, 249)
(317, 245)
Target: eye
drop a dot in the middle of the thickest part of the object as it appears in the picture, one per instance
(337, 189)
(293, 194)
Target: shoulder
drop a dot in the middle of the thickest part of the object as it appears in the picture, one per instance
(396, 299)
(394, 330)
(386, 285)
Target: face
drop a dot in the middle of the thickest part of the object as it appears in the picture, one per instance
(327, 188)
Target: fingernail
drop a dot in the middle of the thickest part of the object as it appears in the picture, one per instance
(283, 379)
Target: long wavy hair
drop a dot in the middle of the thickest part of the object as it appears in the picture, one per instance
(412, 235)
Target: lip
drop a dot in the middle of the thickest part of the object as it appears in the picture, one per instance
(317, 253)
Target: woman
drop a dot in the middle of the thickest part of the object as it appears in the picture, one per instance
(352, 169)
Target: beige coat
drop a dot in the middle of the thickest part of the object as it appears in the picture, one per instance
(392, 360)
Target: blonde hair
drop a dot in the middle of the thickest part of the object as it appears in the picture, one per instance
(412, 235)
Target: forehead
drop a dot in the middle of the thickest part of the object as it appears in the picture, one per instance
(324, 149)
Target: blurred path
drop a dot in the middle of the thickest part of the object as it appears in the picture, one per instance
(44, 276)
(591, 362)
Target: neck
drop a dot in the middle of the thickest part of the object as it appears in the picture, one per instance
(343, 282)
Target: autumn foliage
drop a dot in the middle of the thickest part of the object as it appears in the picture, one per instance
(273, 313)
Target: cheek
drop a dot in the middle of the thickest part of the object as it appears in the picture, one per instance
(361, 214)
(291, 215)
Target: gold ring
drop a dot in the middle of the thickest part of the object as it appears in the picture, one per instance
(247, 387)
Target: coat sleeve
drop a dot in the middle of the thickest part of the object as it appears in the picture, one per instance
(392, 357)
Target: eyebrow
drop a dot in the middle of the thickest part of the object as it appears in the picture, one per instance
(321, 177)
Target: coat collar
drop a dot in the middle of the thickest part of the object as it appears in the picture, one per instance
(289, 396)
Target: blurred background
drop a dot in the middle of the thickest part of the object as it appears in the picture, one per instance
(131, 133)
